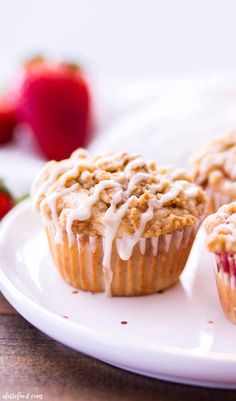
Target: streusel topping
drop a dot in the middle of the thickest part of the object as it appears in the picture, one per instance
(221, 229)
(215, 165)
(85, 195)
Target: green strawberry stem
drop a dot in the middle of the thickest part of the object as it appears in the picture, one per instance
(5, 190)
(22, 198)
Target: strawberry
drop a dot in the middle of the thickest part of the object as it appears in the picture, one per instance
(53, 98)
(6, 200)
(8, 120)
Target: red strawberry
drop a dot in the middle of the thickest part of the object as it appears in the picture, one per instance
(6, 200)
(53, 98)
(8, 121)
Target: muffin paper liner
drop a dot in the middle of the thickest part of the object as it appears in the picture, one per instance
(225, 275)
(216, 200)
(156, 263)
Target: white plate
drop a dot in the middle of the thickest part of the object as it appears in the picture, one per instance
(180, 335)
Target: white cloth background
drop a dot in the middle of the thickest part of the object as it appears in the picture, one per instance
(163, 120)
(138, 55)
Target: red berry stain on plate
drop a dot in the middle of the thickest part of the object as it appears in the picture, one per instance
(124, 322)
(65, 317)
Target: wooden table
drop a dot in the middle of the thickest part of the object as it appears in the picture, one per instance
(31, 362)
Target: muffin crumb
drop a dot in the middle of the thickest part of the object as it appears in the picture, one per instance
(221, 229)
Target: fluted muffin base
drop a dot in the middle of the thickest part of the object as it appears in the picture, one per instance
(216, 200)
(155, 263)
(225, 275)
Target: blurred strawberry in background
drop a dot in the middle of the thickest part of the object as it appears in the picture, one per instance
(6, 200)
(8, 120)
(53, 98)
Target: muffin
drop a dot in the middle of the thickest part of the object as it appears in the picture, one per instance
(221, 240)
(117, 223)
(215, 169)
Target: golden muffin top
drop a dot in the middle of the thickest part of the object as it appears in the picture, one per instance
(221, 229)
(85, 194)
(215, 165)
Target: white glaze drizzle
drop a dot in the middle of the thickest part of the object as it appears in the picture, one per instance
(71, 173)
(226, 228)
(39, 189)
(83, 212)
(126, 244)
(136, 179)
(112, 218)
(139, 162)
(51, 201)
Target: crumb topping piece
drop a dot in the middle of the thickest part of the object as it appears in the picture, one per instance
(86, 194)
(221, 229)
(215, 165)
(117, 196)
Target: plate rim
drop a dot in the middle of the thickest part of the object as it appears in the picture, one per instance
(17, 297)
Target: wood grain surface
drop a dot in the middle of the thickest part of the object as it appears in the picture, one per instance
(32, 363)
